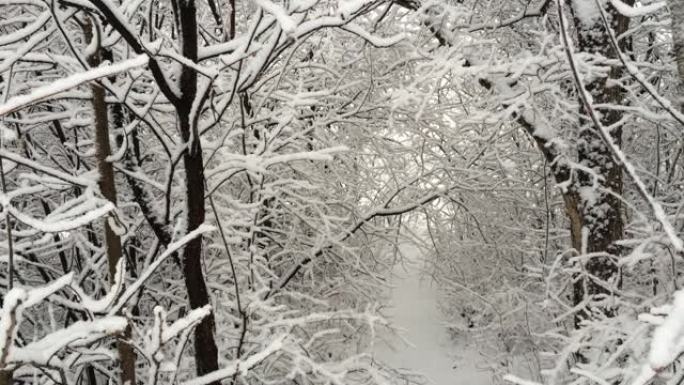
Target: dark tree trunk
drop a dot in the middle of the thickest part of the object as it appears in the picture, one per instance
(5, 377)
(107, 186)
(600, 208)
(677, 8)
(206, 352)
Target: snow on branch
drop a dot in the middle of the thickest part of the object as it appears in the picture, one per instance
(287, 23)
(351, 230)
(171, 249)
(70, 82)
(57, 174)
(630, 11)
(101, 305)
(43, 351)
(88, 212)
(161, 333)
(80, 333)
(26, 31)
(518, 381)
(52, 348)
(376, 41)
(638, 76)
(667, 343)
(240, 366)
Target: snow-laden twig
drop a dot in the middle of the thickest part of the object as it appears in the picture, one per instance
(161, 333)
(261, 163)
(73, 222)
(80, 333)
(667, 343)
(75, 180)
(287, 23)
(630, 11)
(9, 321)
(70, 82)
(14, 303)
(25, 32)
(101, 305)
(376, 41)
(171, 249)
(634, 71)
(518, 381)
(351, 230)
(241, 366)
(668, 339)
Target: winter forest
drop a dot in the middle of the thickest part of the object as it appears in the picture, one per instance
(207, 192)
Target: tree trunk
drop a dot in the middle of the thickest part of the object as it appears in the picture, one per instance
(601, 224)
(5, 377)
(107, 186)
(206, 352)
(677, 8)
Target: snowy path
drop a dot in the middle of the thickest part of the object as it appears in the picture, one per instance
(413, 308)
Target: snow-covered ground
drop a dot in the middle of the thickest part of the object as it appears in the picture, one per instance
(413, 308)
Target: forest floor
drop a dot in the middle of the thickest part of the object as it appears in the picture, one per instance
(427, 350)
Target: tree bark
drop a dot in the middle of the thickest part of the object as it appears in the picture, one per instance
(600, 208)
(206, 352)
(107, 186)
(5, 377)
(677, 9)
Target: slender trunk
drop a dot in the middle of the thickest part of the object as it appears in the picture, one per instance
(107, 186)
(206, 352)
